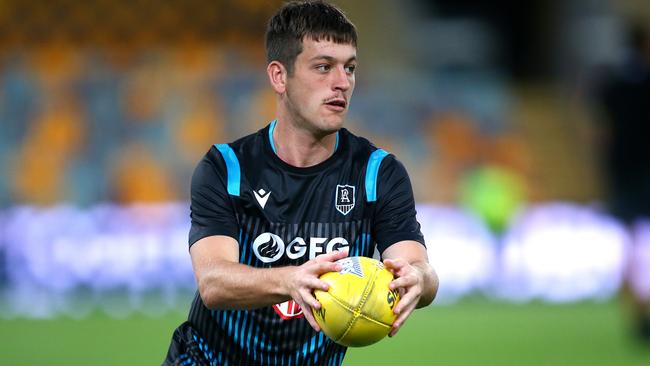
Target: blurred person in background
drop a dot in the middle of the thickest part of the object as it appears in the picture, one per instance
(624, 96)
(305, 181)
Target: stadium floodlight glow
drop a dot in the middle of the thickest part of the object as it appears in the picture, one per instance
(67, 260)
(562, 252)
(460, 248)
(111, 257)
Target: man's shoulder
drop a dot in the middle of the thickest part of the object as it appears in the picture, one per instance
(253, 142)
(362, 149)
(222, 154)
(358, 144)
(255, 139)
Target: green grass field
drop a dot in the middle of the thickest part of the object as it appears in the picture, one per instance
(469, 333)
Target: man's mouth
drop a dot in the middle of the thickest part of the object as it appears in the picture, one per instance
(338, 104)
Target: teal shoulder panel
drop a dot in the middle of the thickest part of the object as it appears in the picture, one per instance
(372, 170)
(232, 168)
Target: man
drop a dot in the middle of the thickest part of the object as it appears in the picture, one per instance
(274, 210)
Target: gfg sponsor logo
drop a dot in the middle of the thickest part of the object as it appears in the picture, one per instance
(269, 247)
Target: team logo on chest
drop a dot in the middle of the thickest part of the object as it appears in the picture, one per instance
(344, 198)
(262, 196)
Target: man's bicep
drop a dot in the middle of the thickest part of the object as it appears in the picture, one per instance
(395, 218)
(211, 250)
(409, 250)
(211, 209)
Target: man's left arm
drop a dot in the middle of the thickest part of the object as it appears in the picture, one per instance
(400, 241)
(416, 280)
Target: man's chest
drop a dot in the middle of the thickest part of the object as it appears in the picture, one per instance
(289, 221)
(336, 196)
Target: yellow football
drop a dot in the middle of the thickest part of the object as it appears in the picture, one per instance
(357, 310)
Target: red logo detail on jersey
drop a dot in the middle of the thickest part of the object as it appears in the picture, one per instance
(288, 310)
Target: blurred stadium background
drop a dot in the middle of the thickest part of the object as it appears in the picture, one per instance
(106, 106)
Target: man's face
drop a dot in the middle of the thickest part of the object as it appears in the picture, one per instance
(319, 90)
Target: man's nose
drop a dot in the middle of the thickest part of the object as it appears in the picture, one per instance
(341, 79)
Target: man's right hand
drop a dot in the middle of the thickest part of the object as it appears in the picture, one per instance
(304, 279)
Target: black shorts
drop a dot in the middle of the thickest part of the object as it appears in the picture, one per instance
(189, 348)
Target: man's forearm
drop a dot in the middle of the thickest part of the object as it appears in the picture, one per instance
(238, 286)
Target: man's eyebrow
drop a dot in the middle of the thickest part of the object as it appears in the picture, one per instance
(331, 59)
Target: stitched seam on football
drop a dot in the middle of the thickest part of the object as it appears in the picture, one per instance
(357, 310)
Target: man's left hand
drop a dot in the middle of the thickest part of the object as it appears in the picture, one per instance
(409, 281)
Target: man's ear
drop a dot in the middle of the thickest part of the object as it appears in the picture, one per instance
(277, 76)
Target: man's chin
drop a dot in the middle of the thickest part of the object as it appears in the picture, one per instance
(327, 125)
(334, 123)
(331, 128)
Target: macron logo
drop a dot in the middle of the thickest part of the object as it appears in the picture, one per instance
(262, 196)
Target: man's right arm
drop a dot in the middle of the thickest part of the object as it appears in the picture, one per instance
(224, 283)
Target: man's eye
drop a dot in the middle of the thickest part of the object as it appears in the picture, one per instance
(323, 68)
(350, 69)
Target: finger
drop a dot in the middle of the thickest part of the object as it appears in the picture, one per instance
(403, 282)
(311, 283)
(399, 322)
(394, 329)
(333, 256)
(394, 265)
(398, 262)
(316, 284)
(309, 315)
(310, 318)
(324, 267)
(408, 300)
(342, 252)
(309, 299)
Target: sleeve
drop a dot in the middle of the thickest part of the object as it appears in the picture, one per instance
(211, 208)
(395, 215)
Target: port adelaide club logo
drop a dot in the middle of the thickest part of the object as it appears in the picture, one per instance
(344, 198)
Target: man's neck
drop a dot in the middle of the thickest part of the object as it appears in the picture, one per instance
(300, 147)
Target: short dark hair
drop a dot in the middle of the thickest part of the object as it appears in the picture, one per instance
(296, 20)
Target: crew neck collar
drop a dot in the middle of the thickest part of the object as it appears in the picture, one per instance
(303, 170)
(272, 127)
